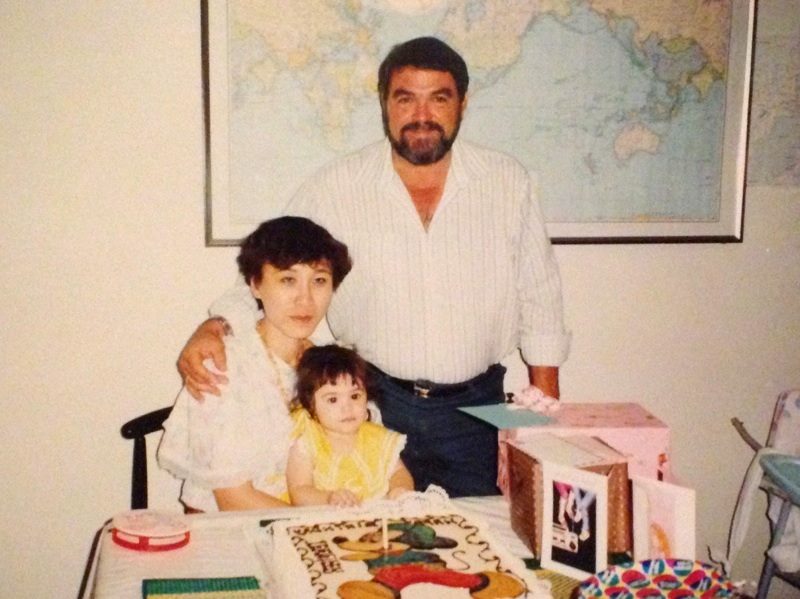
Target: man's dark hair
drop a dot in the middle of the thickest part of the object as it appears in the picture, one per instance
(289, 240)
(326, 364)
(423, 53)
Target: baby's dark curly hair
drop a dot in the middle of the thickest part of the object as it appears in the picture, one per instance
(326, 364)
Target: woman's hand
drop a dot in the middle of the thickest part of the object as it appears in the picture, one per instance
(206, 342)
(343, 498)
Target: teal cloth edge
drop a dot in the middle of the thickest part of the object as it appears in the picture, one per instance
(502, 417)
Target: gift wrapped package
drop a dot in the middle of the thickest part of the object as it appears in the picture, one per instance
(627, 427)
(526, 495)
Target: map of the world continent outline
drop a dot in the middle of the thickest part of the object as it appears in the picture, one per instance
(618, 106)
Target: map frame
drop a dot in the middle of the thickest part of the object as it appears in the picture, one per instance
(222, 230)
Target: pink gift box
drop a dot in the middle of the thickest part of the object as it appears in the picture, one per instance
(627, 427)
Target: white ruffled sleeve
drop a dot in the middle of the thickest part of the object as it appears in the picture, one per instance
(242, 435)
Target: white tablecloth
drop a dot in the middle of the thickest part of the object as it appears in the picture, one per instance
(225, 545)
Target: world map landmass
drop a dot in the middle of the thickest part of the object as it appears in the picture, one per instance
(617, 105)
(774, 143)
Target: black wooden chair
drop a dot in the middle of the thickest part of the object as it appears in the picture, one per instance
(138, 429)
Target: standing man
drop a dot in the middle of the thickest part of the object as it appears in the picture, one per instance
(452, 271)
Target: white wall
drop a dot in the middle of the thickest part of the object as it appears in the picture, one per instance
(104, 274)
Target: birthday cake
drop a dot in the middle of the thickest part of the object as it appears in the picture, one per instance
(407, 556)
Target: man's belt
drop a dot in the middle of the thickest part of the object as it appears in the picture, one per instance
(426, 388)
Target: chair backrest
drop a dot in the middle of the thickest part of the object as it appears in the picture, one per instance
(137, 429)
(784, 431)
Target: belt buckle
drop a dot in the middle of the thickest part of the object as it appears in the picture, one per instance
(421, 391)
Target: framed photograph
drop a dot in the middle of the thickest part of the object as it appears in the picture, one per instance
(663, 520)
(575, 523)
(633, 116)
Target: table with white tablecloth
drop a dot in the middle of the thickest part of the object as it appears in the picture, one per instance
(227, 545)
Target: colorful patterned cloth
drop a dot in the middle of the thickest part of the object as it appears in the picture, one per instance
(667, 578)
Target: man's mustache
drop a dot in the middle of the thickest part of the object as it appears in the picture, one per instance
(423, 126)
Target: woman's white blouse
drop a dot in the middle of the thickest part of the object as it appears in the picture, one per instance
(242, 435)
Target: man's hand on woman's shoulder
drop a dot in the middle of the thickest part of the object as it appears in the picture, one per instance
(205, 342)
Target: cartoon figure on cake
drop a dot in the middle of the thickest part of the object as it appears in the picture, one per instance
(404, 561)
(339, 457)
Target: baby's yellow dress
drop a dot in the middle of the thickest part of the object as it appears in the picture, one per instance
(365, 471)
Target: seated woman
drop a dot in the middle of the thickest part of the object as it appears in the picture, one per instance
(231, 450)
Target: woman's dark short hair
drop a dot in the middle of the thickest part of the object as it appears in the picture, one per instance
(326, 364)
(423, 53)
(288, 240)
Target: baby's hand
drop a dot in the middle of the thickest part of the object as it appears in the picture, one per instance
(343, 498)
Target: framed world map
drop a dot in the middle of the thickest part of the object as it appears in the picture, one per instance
(632, 115)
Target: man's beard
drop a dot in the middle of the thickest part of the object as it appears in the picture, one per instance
(427, 153)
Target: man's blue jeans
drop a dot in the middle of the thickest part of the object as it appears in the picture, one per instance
(445, 446)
